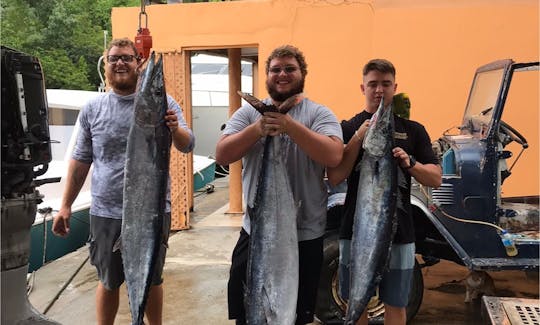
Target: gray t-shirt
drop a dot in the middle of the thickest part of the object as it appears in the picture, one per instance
(102, 141)
(306, 175)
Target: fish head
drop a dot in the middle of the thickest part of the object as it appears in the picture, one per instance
(379, 138)
(290, 102)
(151, 101)
(257, 103)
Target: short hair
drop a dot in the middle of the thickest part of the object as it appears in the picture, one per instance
(288, 51)
(123, 42)
(381, 65)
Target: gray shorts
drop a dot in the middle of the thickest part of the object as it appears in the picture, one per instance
(396, 282)
(104, 232)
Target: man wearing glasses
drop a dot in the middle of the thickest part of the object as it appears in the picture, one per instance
(311, 139)
(102, 141)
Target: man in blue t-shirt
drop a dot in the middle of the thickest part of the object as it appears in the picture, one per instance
(309, 140)
(102, 142)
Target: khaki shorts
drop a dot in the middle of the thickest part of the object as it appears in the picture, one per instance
(104, 233)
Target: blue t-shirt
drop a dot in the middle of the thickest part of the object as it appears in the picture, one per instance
(306, 175)
(102, 141)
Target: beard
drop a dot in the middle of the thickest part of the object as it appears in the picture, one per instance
(123, 83)
(277, 96)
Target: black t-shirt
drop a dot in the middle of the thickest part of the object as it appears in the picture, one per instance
(410, 136)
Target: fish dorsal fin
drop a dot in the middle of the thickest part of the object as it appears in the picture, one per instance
(117, 244)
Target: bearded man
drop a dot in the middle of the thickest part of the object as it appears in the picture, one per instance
(102, 141)
(310, 140)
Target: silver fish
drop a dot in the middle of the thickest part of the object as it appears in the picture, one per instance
(272, 271)
(374, 218)
(145, 186)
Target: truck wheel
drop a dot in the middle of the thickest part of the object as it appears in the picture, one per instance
(417, 292)
(330, 308)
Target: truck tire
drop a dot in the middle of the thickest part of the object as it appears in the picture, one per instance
(330, 308)
(417, 292)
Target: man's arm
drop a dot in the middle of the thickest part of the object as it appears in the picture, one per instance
(181, 139)
(75, 177)
(326, 150)
(233, 147)
(426, 174)
(339, 173)
(181, 136)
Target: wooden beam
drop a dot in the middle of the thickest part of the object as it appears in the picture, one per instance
(235, 169)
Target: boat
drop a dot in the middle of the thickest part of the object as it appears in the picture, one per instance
(63, 108)
(210, 102)
(210, 112)
(204, 169)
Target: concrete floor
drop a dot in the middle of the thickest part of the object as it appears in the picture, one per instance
(196, 273)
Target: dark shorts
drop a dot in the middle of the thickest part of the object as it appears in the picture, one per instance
(104, 233)
(310, 261)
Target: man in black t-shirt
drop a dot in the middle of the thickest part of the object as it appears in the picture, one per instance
(415, 157)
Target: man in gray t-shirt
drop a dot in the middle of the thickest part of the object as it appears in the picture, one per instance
(310, 139)
(102, 142)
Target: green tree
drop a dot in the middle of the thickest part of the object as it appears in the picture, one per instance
(61, 72)
(67, 36)
(19, 25)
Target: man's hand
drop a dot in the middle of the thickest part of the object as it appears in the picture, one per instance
(171, 120)
(362, 130)
(273, 123)
(60, 225)
(402, 156)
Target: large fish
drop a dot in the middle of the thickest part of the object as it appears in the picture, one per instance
(272, 271)
(374, 217)
(145, 186)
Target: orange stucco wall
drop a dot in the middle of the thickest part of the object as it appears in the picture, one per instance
(436, 46)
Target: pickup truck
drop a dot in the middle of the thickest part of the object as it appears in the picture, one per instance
(463, 220)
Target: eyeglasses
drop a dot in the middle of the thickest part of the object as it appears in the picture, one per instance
(287, 69)
(125, 58)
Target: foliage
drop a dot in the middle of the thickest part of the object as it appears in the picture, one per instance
(67, 36)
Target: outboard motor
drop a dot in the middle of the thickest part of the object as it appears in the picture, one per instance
(26, 152)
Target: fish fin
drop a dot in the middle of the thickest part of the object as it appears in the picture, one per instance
(357, 167)
(270, 311)
(247, 302)
(118, 244)
(251, 211)
(401, 188)
(402, 181)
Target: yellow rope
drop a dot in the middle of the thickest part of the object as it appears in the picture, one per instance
(458, 219)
